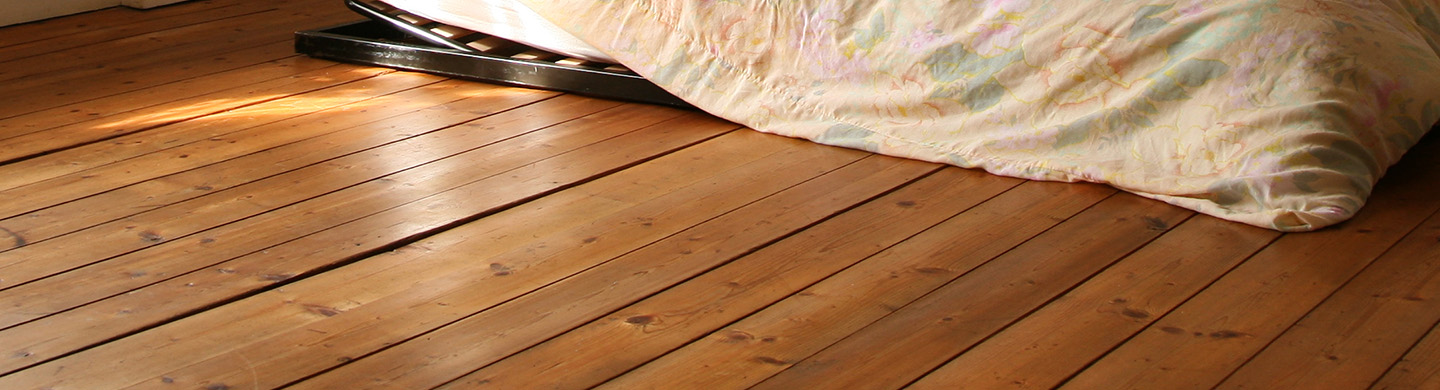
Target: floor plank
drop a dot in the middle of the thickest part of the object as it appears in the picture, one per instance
(1207, 338)
(265, 38)
(622, 340)
(237, 246)
(480, 100)
(623, 280)
(115, 27)
(214, 207)
(983, 300)
(265, 23)
(808, 321)
(480, 273)
(20, 99)
(77, 124)
(1352, 338)
(59, 27)
(1419, 369)
(1050, 345)
(90, 169)
(31, 262)
(62, 30)
(184, 201)
(517, 272)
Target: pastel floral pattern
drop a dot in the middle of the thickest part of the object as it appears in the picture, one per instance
(1277, 113)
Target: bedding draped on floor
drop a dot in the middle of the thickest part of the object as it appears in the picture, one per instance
(1277, 113)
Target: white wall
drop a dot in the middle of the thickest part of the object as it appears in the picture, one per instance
(20, 11)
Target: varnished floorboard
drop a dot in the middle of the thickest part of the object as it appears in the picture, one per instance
(186, 203)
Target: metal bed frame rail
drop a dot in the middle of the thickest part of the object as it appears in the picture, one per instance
(394, 38)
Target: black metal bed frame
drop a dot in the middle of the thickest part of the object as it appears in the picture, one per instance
(397, 39)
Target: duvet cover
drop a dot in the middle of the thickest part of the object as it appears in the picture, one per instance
(1277, 113)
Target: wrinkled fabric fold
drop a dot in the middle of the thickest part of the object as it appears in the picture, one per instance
(1279, 113)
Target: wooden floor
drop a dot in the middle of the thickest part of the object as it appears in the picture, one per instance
(185, 203)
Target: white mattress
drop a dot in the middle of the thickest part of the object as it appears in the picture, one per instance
(506, 19)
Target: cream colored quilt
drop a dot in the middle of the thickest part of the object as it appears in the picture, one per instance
(1277, 113)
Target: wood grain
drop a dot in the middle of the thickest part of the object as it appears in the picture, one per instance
(900, 347)
(113, 25)
(1204, 340)
(1048, 346)
(77, 124)
(264, 37)
(169, 45)
(820, 315)
(44, 258)
(91, 169)
(1419, 369)
(627, 338)
(481, 274)
(22, 99)
(477, 101)
(63, 30)
(214, 208)
(1355, 335)
(185, 202)
(517, 272)
(514, 325)
(259, 238)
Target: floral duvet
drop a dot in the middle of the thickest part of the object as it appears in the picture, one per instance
(1277, 113)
